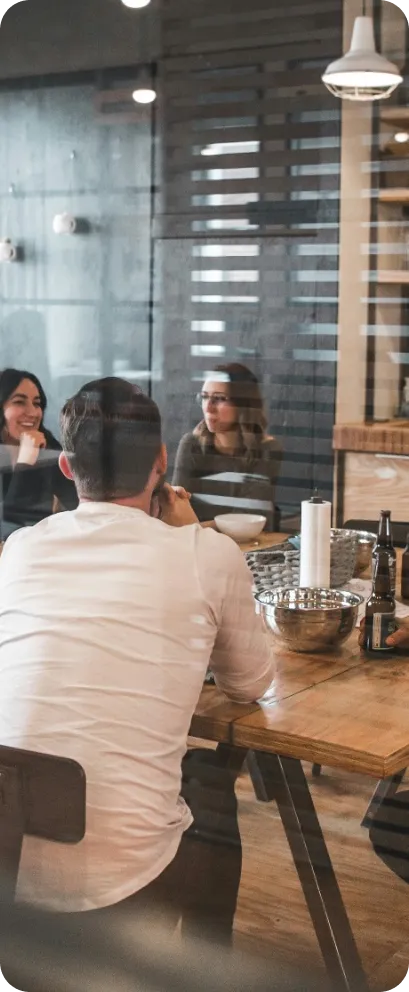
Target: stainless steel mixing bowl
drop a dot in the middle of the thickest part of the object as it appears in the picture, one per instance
(366, 544)
(310, 620)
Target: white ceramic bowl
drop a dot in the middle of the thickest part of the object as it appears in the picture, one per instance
(240, 526)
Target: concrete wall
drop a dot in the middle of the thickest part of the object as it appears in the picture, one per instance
(54, 36)
(74, 307)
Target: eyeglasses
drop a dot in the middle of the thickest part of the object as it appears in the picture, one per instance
(217, 399)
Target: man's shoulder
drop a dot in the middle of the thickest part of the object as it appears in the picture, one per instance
(28, 537)
(219, 547)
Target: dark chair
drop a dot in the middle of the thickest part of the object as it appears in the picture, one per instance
(41, 795)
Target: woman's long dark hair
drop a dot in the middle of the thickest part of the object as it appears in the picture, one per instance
(9, 381)
(244, 392)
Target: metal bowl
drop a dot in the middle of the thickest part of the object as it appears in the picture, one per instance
(310, 620)
(366, 544)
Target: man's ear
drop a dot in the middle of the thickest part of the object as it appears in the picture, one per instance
(65, 466)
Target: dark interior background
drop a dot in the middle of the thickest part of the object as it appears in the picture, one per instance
(209, 224)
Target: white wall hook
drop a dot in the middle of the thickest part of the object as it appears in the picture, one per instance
(8, 252)
(64, 224)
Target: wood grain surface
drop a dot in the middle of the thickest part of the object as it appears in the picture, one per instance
(272, 919)
(357, 721)
(373, 482)
(336, 705)
(391, 437)
(394, 194)
(338, 708)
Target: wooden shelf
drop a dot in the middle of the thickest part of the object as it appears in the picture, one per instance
(397, 195)
(390, 437)
(392, 114)
(392, 276)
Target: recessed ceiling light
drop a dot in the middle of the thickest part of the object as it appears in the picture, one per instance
(144, 95)
(401, 137)
(136, 3)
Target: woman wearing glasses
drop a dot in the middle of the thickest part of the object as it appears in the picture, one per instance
(229, 463)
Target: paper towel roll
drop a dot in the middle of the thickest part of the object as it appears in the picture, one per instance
(315, 564)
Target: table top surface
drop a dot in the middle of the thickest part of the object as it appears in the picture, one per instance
(338, 708)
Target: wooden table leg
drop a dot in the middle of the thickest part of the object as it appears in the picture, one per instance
(385, 790)
(284, 781)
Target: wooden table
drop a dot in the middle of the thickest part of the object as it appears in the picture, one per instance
(339, 709)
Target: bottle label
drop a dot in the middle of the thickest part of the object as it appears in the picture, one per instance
(378, 628)
(392, 573)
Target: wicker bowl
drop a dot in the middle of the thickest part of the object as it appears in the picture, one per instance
(279, 566)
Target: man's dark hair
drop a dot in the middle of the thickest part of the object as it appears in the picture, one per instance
(111, 434)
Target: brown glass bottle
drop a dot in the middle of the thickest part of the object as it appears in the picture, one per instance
(380, 608)
(405, 571)
(384, 542)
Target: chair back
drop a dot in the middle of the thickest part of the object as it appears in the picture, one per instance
(399, 530)
(42, 795)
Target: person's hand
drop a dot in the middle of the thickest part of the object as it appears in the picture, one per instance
(30, 443)
(161, 495)
(399, 639)
(175, 507)
(180, 491)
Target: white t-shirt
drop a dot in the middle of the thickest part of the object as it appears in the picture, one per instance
(108, 621)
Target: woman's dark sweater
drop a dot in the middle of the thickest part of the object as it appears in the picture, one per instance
(222, 483)
(28, 491)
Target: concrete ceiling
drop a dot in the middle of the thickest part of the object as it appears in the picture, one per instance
(58, 36)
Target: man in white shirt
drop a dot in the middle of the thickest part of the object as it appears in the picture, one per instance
(109, 619)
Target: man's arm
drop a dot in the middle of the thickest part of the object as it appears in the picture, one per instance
(241, 661)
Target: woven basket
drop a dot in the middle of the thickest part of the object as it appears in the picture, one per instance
(279, 566)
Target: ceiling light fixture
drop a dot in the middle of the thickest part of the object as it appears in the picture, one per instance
(144, 95)
(401, 137)
(136, 4)
(362, 74)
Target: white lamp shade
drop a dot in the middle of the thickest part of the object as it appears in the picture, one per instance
(362, 74)
(64, 224)
(144, 94)
(136, 4)
(8, 253)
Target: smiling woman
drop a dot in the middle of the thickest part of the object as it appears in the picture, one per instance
(30, 476)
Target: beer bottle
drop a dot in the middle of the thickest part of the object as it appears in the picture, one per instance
(380, 608)
(384, 543)
(405, 571)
